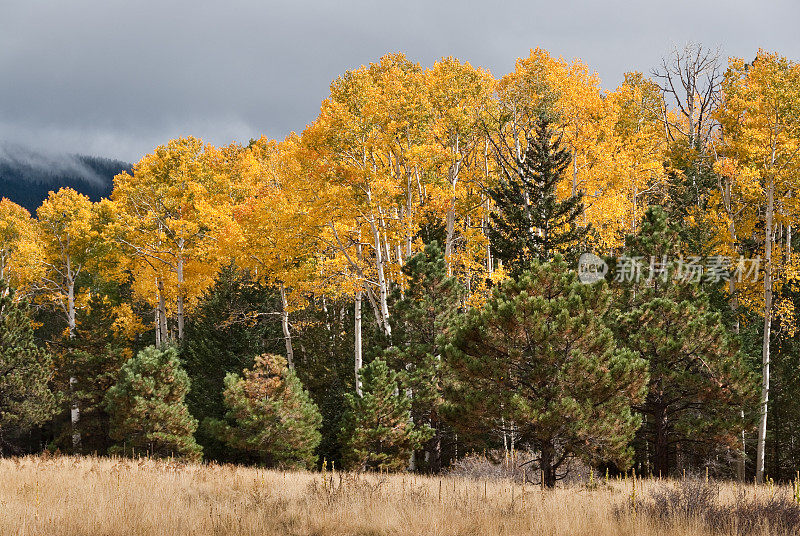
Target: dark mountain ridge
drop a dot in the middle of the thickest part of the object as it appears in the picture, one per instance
(26, 177)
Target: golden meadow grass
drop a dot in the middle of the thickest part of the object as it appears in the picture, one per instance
(67, 496)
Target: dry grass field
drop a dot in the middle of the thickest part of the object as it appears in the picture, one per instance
(101, 496)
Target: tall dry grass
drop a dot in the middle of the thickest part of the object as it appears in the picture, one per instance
(100, 496)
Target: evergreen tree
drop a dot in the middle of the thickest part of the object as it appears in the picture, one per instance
(93, 359)
(699, 380)
(232, 325)
(421, 320)
(324, 356)
(25, 369)
(147, 406)
(530, 222)
(269, 415)
(378, 433)
(539, 359)
(698, 383)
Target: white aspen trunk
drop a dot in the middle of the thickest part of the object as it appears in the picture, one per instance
(157, 316)
(379, 264)
(358, 356)
(75, 415)
(75, 410)
(386, 247)
(3, 262)
(158, 326)
(70, 301)
(71, 309)
(180, 301)
(505, 436)
(450, 222)
(409, 211)
(398, 246)
(162, 312)
(287, 335)
(374, 305)
(574, 171)
(741, 462)
(383, 312)
(764, 403)
(421, 190)
(328, 327)
(412, 460)
(358, 362)
(448, 243)
(489, 263)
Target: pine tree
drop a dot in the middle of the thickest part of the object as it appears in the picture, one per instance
(378, 433)
(269, 415)
(421, 320)
(92, 358)
(539, 360)
(228, 330)
(147, 407)
(25, 370)
(698, 382)
(530, 222)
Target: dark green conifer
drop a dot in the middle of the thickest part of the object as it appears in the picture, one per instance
(25, 370)
(538, 360)
(147, 407)
(421, 322)
(530, 222)
(269, 415)
(378, 433)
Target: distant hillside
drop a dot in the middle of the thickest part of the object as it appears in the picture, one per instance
(26, 177)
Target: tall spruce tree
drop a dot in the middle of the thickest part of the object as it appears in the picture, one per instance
(377, 432)
(539, 355)
(147, 407)
(269, 415)
(421, 318)
(25, 370)
(530, 222)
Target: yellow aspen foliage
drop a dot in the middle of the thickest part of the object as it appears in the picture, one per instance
(20, 250)
(169, 216)
(71, 242)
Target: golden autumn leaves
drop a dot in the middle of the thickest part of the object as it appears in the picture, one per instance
(397, 152)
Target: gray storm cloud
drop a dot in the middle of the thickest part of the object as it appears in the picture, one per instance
(116, 78)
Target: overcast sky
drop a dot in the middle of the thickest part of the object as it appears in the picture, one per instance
(116, 78)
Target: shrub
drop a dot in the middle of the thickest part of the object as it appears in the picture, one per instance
(693, 499)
